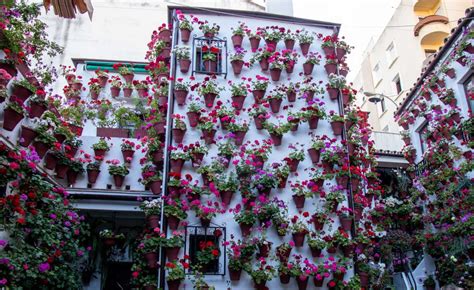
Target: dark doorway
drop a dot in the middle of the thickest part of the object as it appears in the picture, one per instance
(118, 276)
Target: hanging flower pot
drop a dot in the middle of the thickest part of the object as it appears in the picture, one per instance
(27, 136)
(92, 175)
(289, 44)
(337, 127)
(11, 119)
(318, 223)
(172, 252)
(451, 73)
(61, 170)
(184, 65)
(364, 279)
(118, 180)
(178, 135)
(165, 53)
(264, 249)
(305, 48)
(258, 123)
(151, 259)
(237, 66)
(205, 222)
(298, 238)
(317, 282)
(276, 139)
(193, 118)
(180, 96)
(208, 136)
(291, 96)
(309, 95)
(315, 252)
(284, 278)
(185, 34)
(155, 187)
(238, 102)
(210, 66)
(289, 67)
(340, 53)
(115, 91)
(258, 95)
(333, 93)
(346, 222)
(302, 284)
(173, 284)
(263, 64)
(71, 177)
(299, 200)
(345, 99)
(235, 274)
(239, 137)
(94, 95)
(173, 222)
(127, 154)
(313, 122)
(314, 155)
(294, 125)
(237, 40)
(275, 104)
(21, 93)
(153, 221)
(275, 74)
(331, 250)
(271, 44)
(37, 109)
(226, 196)
(176, 165)
(260, 286)
(127, 92)
(293, 164)
(209, 99)
(245, 229)
(331, 68)
(50, 161)
(41, 148)
(338, 276)
(254, 43)
(308, 68)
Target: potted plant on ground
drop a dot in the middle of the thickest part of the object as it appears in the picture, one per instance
(118, 172)
(305, 39)
(183, 56)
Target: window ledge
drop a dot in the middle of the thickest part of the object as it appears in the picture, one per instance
(392, 62)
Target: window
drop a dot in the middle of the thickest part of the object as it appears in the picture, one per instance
(210, 56)
(376, 74)
(391, 54)
(422, 132)
(469, 91)
(200, 246)
(382, 105)
(205, 247)
(397, 85)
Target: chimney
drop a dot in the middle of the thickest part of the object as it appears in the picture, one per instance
(282, 7)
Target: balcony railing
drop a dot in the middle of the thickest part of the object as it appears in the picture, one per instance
(427, 20)
(387, 141)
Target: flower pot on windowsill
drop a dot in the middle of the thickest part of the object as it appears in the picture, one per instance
(237, 40)
(209, 99)
(299, 200)
(254, 43)
(92, 176)
(185, 34)
(305, 48)
(208, 136)
(275, 105)
(275, 74)
(11, 119)
(27, 136)
(178, 135)
(210, 66)
(237, 66)
(184, 65)
(238, 102)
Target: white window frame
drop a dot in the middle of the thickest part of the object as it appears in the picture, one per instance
(391, 54)
(376, 74)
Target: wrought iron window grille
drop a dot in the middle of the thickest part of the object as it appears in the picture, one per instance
(204, 45)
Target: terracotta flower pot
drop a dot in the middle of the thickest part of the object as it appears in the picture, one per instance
(21, 93)
(209, 99)
(346, 99)
(291, 96)
(239, 137)
(314, 155)
(254, 43)
(237, 40)
(94, 95)
(299, 200)
(305, 48)
(337, 127)
(302, 284)
(50, 161)
(208, 136)
(27, 136)
(284, 278)
(451, 73)
(127, 92)
(275, 74)
(263, 64)
(173, 222)
(193, 118)
(276, 139)
(313, 122)
(40, 148)
(333, 93)
(290, 44)
(318, 283)
(263, 250)
(238, 102)
(294, 126)
(275, 105)
(71, 177)
(61, 170)
(196, 158)
(210, 66)
(178, 135)
(282, 181)
(258, 95)
(245, 229)
(151, 259)
(226, 196)
(176, 165)
(364, 279)
(293, 164)
(153, 221)
(237, 66)
(173, 284)
(308, 68)
(11, 119)
(318, 224)
(92, 176)
(235, 274)
(127, 154)
(340, 53)
(315, 252)
(331, 68)
(205, 222)
(260, 286)
(298, 238)
(37, 110)
(258, 123)
(185, 34)
(172, 253)
(329, 50)
(115, 91)
(338, 276)
(184, 65)
(346, 223)
(331, 250)
(180, 96)
(118, 180)
(155, 187)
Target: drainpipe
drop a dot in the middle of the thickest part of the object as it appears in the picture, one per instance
(169, 113)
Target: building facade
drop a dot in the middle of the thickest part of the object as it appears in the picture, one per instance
(393, 62)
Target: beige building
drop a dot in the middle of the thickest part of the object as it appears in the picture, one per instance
(394, 61)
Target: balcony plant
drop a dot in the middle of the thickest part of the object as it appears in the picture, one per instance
(118, 172)
(277, 131)
(305, 39)
(183, 55)
(207, 253)
(209, 89)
